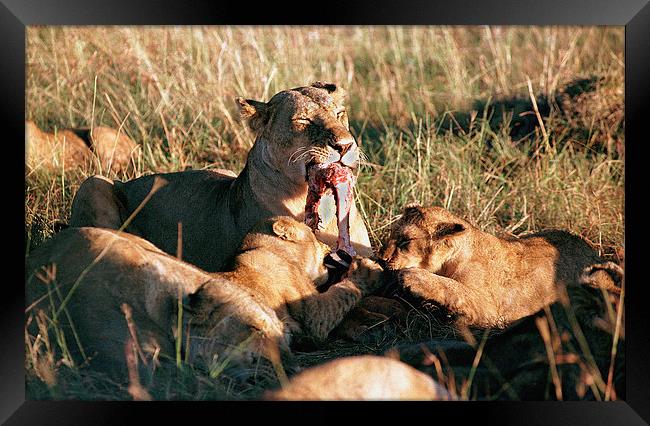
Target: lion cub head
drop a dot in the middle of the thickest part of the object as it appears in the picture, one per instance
(302, 126)
(425, 238)
(239, 328)
(294, 242)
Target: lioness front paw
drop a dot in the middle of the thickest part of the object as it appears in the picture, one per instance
(365, 274)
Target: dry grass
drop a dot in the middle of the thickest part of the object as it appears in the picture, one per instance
(437, 110)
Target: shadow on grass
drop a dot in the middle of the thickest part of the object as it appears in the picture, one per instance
(567, 115)
(571, 362)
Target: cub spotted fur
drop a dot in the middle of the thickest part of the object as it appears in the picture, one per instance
(489, 281)
(268, 296)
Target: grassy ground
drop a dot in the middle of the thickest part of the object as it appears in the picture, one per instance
(515, 128)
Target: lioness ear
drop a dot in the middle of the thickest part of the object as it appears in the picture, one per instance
(287, 230)
(331, 88)
(255, 112)
(449, 229)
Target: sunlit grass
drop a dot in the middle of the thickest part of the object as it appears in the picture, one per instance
(415, 106)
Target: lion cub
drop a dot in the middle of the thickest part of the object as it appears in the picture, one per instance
(486, 280)
(122, 288)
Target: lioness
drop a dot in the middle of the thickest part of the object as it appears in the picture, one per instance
(364, 377)
(486, 280)
(296, 130)
(268, 296)
(78, 148)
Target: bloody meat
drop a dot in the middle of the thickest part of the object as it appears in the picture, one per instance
(340, 180)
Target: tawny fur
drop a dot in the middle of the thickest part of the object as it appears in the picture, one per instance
(365, 323)
(489, 281)
(79, 148)
(267, 298)
(296, 127)
(363, 377)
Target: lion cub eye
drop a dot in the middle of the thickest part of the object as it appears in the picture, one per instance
(403, 243)
(340, 115)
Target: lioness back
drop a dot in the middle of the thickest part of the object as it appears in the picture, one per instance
(365, 377)
(80, 147)
(185, 196)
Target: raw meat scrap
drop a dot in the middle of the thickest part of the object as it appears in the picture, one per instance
(339, 179)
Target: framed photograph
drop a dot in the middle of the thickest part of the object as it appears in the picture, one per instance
(421, 205)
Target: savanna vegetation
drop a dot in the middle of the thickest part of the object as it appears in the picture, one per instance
(517, 129)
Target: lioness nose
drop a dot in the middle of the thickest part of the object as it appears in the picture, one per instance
(344, 145)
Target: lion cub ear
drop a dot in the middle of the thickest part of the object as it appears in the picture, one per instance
(255, 112)
(287, 229)
(197, 302)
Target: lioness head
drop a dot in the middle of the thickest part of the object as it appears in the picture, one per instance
(424, 238)
(301, 127)
(294, 242)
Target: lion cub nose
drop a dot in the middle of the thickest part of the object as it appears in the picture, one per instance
(387, 252)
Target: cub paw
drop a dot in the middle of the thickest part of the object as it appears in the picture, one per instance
(382, 305)
(365, 274)
(413, 281)
(361, 325)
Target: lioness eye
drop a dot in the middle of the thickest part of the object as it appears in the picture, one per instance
(340, 114)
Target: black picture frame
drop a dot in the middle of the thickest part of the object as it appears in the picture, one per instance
(15, 15)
